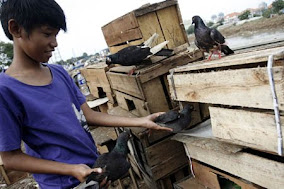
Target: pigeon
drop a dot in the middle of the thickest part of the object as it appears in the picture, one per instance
(113, 163)
(176, 120)
(209, 40)
(134, 55)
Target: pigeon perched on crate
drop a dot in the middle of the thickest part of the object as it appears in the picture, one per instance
(209, 40)
(134, 55)
(113, 163)
(176, 120)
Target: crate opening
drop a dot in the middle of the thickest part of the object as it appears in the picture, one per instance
(101, 92)
(130, 104)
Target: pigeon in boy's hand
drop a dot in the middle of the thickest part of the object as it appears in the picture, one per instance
(114, 163)
(209, 40)
(175, 120)
(135, 54)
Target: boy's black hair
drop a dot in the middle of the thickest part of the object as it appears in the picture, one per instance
(31, 13)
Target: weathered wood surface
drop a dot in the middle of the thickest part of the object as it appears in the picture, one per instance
(189, 183)
(253, 57)
(154, 7)
(124, 28)
(126, 102)
(247, 128)
(125, 83)
(261, 171)
(242, 87)
(207, 177)
(162, 151)
(170, 24)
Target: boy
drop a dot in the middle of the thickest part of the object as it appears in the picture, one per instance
(37, 102)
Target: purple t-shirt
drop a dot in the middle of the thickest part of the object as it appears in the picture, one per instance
(44, 118)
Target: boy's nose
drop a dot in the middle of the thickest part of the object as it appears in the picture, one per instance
(53, 43)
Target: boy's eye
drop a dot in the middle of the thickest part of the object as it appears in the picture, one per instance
(47, 34)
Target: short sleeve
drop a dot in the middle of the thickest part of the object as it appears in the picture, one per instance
(10, 132)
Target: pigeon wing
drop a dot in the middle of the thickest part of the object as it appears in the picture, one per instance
(217, 36)
(167, 117)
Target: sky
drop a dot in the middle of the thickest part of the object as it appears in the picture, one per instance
(86, 17)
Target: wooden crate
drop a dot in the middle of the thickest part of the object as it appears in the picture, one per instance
(246, 127)
(156, 156)
(163, 18)
(236, 80)
(98, 82)
(258, 168)
(148, 86)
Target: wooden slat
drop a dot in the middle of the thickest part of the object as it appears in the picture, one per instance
(238, 59)
(125, 83)
(204, 176)
(162, 151)
(154, 7)
(170, 24)
(178, 160)
(140, 105)
(122, 29)
(262, 171)
(149, 24)
(165, 65)
(155, 96)
(189, 183)
(247, 128)
(242, 87)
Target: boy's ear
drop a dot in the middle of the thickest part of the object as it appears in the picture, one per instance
(14, 28)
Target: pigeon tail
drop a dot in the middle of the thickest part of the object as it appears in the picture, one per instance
(226, 50)
(165, 52)
(151, 40)
(157, 48)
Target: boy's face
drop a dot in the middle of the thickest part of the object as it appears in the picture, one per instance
(40, 43)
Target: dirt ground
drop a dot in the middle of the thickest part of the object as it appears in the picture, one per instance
(250, 28)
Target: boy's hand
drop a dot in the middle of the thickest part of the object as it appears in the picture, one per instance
(82, 171)
(148, 122)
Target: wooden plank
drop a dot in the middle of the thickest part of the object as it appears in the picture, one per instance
(125, 101)
(155, 96)
(122, 29)
(262, 171)
(165, 65)
(178, 160)
(154, 7)
(204, 172)
(247, 128)
(170, 24)
(189, 183)
(162, 151)
(125, 83)
(149, 24)
(242, 87)
(253, 57)
(204, 176)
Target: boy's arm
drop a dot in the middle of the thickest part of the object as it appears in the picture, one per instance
(17, 160)
(102, 119)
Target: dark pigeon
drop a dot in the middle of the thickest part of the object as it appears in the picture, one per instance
(209, 40)
(176, 120)
(134, 55)
(114, 163)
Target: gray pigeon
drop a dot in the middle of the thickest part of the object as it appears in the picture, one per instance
(209, 40)
(176, 120)
(113, 163)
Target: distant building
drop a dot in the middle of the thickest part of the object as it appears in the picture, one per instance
(231, 18)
